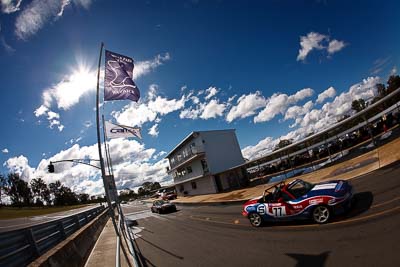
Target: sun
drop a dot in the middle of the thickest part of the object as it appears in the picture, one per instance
(83, 77)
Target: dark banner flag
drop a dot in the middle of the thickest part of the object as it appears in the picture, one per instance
(118, 82)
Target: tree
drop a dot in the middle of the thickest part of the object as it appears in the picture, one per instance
(55, 190)
(155, 186)
(40, 191)
(343, 118)
(18, 190)
(83, 198)
(62, 194)
(141, 191)
(282, 143)
(358, 105)
(3, 186)
(393, 83)
(381, 88)
(147, 186)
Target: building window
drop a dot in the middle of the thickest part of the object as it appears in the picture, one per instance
(194, 185)
(181, 172)
(204, 165)
(181, 188)
(189, 169)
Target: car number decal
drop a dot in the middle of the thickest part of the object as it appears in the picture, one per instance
(279, 211)
(261, 209)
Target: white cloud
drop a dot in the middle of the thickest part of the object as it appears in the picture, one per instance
(246, 106)
(144, 67)
(159, 154)
(312, 41)
(296, 111)
(211, 91)
(230, 99)
(41, 111)
(64, 3)
(278, 104)
(164, 106)
(84, 3)
(153, 131)
(20, 165)
(335, 46)
(190, 113)
(261, 148)
(203, 110)
(5, 151)
(328, 93)
(39, 12)
(212, 109)
(134, 114)
(311, 120)
(393, 71)
(318, 41)
(10, 6)
(35, 16)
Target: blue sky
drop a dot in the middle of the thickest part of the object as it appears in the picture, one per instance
(269, 69)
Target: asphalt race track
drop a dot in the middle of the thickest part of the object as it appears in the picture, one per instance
(19, 223)
(219, 236)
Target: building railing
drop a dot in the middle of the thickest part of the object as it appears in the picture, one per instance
(21, 247)
(182, 157)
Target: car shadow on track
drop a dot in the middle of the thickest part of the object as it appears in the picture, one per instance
(361, 203)
(304, 260)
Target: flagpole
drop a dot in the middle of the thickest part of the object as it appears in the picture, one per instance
(105, 146)
(109, 167)
(103, 171)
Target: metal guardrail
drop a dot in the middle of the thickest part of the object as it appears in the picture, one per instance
(21, 247)
(126, 236)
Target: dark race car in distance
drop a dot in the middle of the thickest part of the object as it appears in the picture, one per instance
(162, 206)
(299, 199)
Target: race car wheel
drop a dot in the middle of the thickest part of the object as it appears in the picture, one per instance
(255, 219)
(321, 214)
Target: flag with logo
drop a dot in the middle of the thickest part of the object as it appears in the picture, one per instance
(117, 130)
(118, 79)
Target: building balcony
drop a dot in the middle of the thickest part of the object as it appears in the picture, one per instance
(183, 158)
(189, 177)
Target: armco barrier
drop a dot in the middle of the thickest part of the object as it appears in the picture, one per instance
(21, 247)
(74, 251)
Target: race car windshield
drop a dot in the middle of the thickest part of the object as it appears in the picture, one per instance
(300, 188)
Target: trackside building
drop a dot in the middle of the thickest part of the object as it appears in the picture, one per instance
(205, 162)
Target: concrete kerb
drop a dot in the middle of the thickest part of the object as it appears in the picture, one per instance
(75, 249)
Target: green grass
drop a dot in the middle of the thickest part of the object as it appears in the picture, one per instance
(12, 212)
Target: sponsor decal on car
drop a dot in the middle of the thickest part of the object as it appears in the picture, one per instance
(316, 201)
(324, 186)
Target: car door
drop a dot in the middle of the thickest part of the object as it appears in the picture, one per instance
(281, 209)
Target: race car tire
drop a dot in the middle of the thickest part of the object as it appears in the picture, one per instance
(255, 219)
(321, 214)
